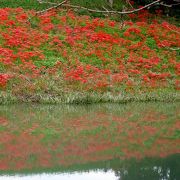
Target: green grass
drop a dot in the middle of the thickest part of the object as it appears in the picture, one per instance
(26, 4)
(33, 4)
(151, 43)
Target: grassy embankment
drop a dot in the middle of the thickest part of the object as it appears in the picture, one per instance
(62, 57)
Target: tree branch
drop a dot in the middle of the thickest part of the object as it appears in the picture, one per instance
(112, 12)
(62, 4)
(54, 7)
(169, 5)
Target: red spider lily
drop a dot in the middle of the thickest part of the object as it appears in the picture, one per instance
(4, 79)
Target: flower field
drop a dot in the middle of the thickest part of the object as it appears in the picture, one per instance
(60, 52)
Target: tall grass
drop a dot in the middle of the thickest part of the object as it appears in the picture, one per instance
(90, 98)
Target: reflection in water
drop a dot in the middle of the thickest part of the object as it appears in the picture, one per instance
(136, 141)
(92, 175)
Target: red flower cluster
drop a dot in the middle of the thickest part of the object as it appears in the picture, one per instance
(4, 79)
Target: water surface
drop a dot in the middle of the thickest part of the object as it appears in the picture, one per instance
(104, 141)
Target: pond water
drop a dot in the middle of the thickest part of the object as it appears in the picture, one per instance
(104, 141)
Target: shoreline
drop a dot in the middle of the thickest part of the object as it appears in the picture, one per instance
(89, 98)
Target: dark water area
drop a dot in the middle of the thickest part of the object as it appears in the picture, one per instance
(104, 141)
